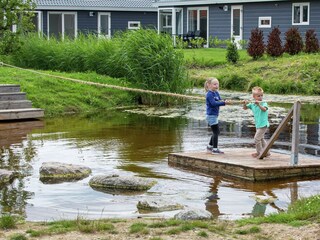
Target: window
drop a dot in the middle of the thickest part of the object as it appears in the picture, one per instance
(37, 21)
(61, 25)
(104, 24)
(170, 21)
(134, 25)
(166, 22)
(264, 22)
(198, 21)
(300, 13)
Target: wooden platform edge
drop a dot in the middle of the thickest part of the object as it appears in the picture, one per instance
(248, 173)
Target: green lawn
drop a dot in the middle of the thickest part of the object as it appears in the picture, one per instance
(297, 74)
(209, 57)
(59, 97)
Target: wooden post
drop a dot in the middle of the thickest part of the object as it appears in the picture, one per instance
(276, 133)
(295, 133)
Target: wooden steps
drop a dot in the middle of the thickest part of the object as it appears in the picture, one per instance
(15, 106)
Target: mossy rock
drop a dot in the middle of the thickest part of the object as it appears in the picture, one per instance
(54, 172)
(121, 183)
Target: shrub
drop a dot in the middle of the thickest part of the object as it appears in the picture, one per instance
(294, 44)
(311, 41)
(7, 222)
(152, 62)
(144, 57)
(256, 46)
(234, 82)
(18, 236)
(14, 13)
(274, 45)
(232, 52)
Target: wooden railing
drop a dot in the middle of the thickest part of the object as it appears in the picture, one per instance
(294, 114)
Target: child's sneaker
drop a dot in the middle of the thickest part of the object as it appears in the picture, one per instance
(209, 148)
(217, 151)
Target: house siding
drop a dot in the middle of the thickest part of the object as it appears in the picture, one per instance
(86, 23)
(280, 13)
(219, 22)
(119, 20)
(281, 16)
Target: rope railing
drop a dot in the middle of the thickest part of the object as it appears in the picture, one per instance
(177, 95)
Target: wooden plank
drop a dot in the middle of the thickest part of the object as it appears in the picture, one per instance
(240, 164)
(12, 96)
(6, 88)
(18, 104)
(295, 133)
(276, 134)
(27, 113)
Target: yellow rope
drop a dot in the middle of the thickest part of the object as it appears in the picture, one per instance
(108, 85)
(177, 95)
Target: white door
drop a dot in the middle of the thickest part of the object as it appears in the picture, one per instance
(236, 23)
(104, 24)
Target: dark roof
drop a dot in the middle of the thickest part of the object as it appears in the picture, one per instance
(91, 4)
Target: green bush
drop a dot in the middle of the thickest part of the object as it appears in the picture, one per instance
(152, 62)
(18, 237)
(215, 42)
(234, 82)
(16, 13)
(232, 52)
(7, 222)
(144, 57)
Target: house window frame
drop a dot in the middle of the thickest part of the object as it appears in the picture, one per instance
(198, 16)
(199, 9)
(109, 24)
(130, 23)
(39, 18)
(265, 25)
(301, 5)
(62, 27)
(168, 20)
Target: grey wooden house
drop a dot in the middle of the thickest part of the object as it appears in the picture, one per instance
(104, 17)
(226, 18)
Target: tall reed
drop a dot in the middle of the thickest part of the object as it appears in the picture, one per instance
(144, 57)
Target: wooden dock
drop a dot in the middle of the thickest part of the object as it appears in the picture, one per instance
(239, 163)
(15, 106)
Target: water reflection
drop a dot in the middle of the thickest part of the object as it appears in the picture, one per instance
(133, 144)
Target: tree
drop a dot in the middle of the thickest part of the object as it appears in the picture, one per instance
(274, 45)
(312, 42)
(15, 19)
(232, 52)
(256, 45)
(294, 43)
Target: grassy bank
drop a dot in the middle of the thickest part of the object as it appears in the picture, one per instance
(299, 74)
(60, 97)
(302, 220)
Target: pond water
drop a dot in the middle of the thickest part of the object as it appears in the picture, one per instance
(126, 142)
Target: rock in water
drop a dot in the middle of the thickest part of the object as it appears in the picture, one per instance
(53, 172)
(123, 183)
